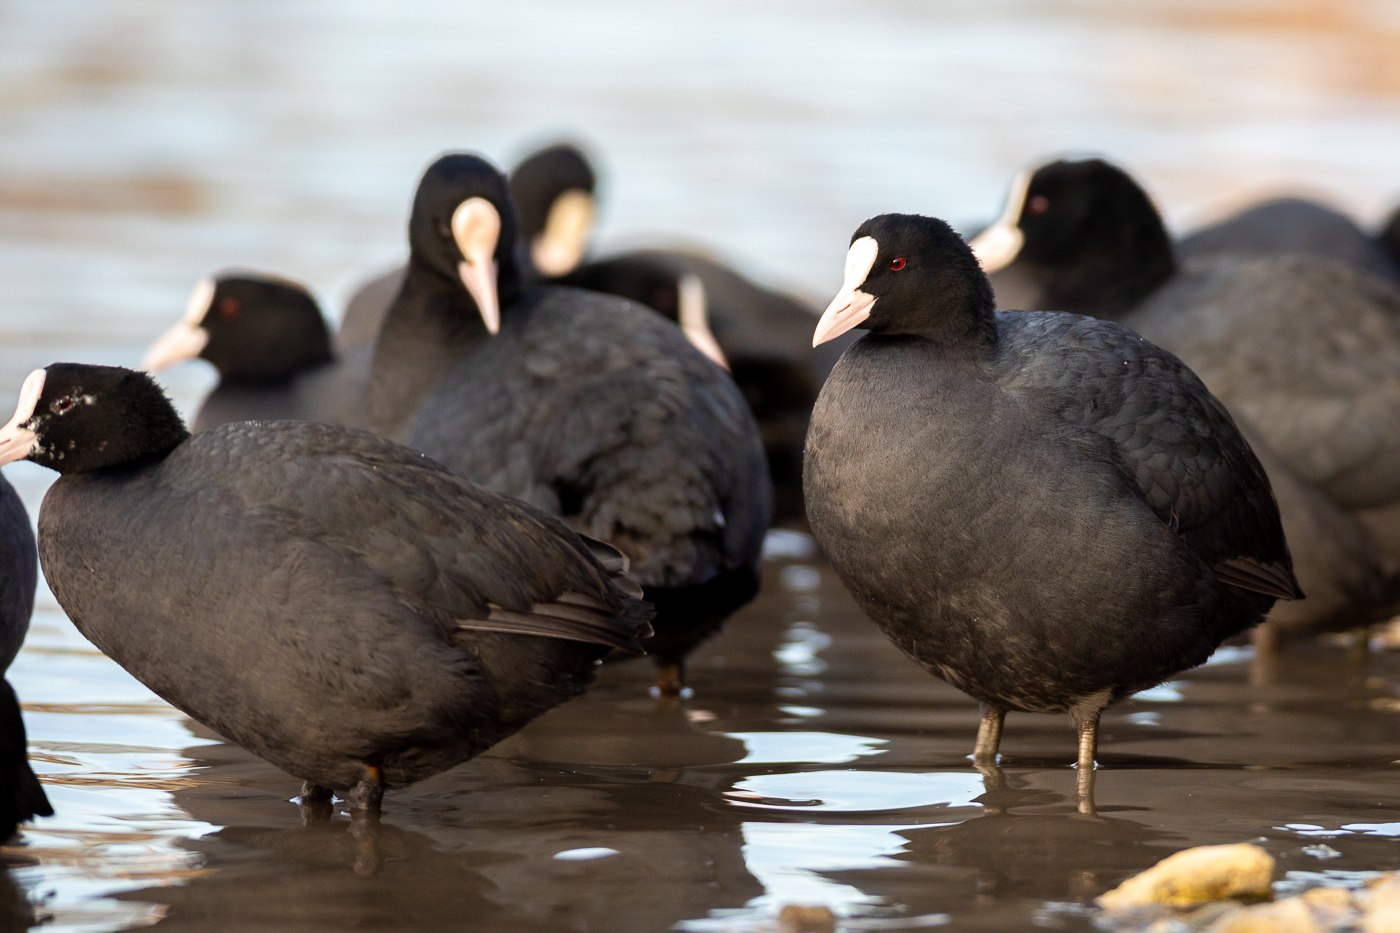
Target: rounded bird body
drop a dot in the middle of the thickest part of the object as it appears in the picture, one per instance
(1044, 509)
(587, 405)
(337, 604)
(1305, 350)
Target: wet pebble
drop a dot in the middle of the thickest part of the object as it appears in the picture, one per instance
(1374, 908)
(801, 918)
(1197, 876)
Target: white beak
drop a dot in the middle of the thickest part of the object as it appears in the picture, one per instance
(559, 248)
(476, 228)
(179, 343)
(851, 306)
(998, 246)
(694, 318)
(186, 339)
(17, 442)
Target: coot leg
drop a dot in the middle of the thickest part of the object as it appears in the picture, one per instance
(1087, 722)
(366, 796)
(670, 676)
(1264, 638)
(988, 735)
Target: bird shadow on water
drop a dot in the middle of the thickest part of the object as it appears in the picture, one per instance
(554, 829)
(1026, 847)
(17, 911)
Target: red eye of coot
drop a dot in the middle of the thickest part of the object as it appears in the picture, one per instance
(897, 263)
(62, 404)
(1038, 205)
(228, 307)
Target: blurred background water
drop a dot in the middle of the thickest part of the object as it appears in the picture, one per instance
(144, 144)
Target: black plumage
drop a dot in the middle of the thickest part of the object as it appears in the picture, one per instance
(758, 333)
(21, 796)
(586, 405)
(761, 333)
(335, 603)
(1304, 350)
(1388, 237)
(1291, 226)
(1044, 509)
(270, 344)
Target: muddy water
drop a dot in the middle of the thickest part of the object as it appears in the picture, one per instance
(145, 144)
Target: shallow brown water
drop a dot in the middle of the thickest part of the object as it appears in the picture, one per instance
(813, 766)
(145, 144)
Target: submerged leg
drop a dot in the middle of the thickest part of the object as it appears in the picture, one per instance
(1087, 722)
(988, 735)
(366, 796)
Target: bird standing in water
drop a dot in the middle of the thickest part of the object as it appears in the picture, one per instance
(1045, 510)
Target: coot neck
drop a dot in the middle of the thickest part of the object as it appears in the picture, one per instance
(954, 322)
(129, 453)
(279, 370)
(1111, 280)
(430, 325)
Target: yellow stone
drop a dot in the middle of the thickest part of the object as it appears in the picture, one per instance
(801, 918)
(1198, 876)
(1383, 911)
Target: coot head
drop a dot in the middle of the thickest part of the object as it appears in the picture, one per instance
(463, 227)
(250, 326)
(908, 274)
(553, 190)
(74, 418)
(1086, 232)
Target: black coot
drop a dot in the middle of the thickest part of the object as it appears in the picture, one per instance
(268, 340)
(586, 405)
(335, 603)
(1305, 351)
(21, 796)
(1045, 510)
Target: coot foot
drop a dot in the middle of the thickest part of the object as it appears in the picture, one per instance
(988, 735)
(366, 796)
(315, 803)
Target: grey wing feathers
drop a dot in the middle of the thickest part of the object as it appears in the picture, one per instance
(1173, 439)
(571, 616)
(603, 413)
(456, 554)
